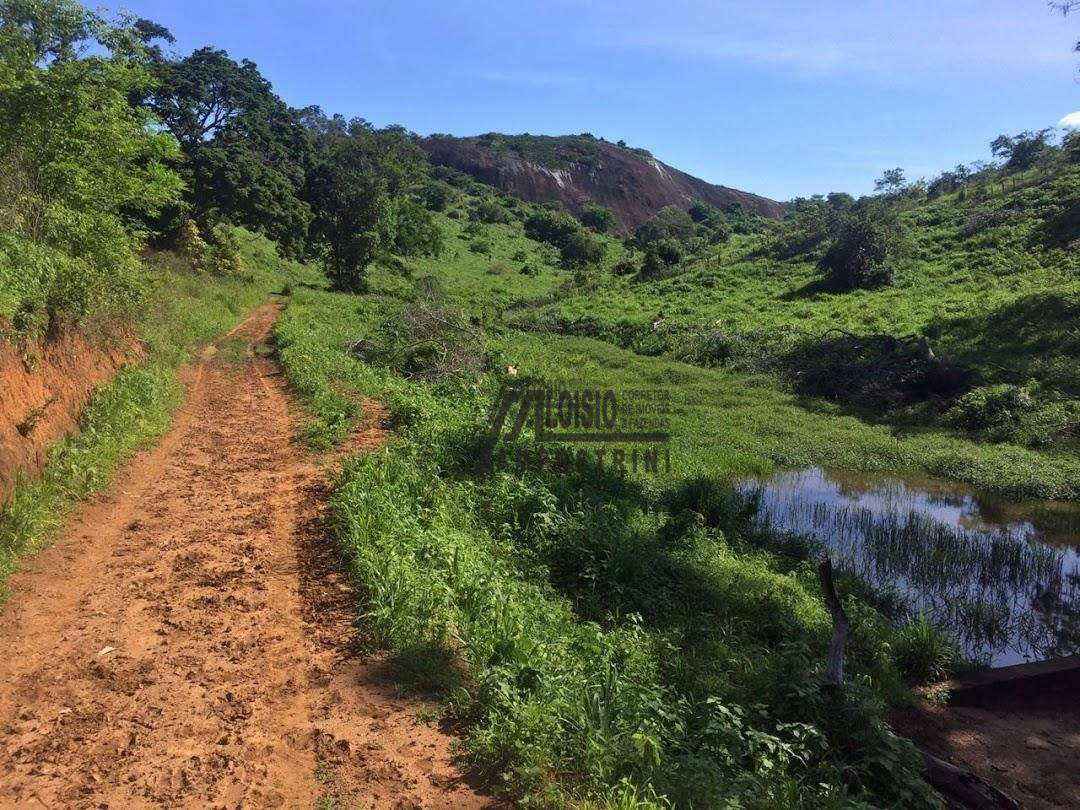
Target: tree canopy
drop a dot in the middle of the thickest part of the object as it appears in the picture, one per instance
(357, 177)
(81, 168)
(246, 151)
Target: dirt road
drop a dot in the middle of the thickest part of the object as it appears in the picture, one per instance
(189, 643)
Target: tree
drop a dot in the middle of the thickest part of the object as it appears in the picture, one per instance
(246, 151)
(868, 243)
(416, 233)
(550, 226)
(1021, 151)
(1070, 145)
(600, 219)
(81, 169)
(891, 182)
(662, 255)
(358, 174)
(670, 222)
(490, 212)
(580, 249)
(437, 195)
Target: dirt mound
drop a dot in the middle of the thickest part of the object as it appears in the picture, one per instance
(45, 385)
(578, 172)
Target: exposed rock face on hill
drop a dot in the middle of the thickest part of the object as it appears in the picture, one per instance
(580, 170)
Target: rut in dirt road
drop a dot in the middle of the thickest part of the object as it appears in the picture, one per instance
(188, 641)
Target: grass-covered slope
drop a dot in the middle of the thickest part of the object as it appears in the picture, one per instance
(614, 650)
(989, 280)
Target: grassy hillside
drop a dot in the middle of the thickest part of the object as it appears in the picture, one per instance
(739, 314)
(615, 652)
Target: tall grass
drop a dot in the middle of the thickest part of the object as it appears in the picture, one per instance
(615, 646)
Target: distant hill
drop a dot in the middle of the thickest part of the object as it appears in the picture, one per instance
(580, 170)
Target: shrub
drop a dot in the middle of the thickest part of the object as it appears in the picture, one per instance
(581, 249)
(864, 253)
(670, 223)
(224, 256)
(600, 219)
(191, 246)
(923, 653)
(437, 195)
(489, 211)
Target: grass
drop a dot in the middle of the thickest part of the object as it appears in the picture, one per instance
(634, 641)
(995, 298)
(734, 424)
(182, 312)
(616, 655)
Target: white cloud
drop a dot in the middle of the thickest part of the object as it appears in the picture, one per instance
(837, 37)
(1071, 121)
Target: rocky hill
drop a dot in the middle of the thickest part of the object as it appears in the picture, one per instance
(581, 170)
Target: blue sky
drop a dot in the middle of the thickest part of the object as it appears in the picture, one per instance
(781, 98)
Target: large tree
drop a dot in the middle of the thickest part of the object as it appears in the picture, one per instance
(357, 186)
(246, 150)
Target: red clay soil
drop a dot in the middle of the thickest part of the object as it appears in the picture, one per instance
(1030, 748)
(44, 388)
(189, 641)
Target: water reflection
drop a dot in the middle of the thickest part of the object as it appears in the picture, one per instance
(1003, 578)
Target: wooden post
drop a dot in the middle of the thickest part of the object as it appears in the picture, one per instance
(840, 624)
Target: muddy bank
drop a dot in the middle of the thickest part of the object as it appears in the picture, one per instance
(44, 386)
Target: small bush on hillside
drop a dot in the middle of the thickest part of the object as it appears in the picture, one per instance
(224, 257)
(545, 225)
(416, 233)
(625, 267)
(993, 408)
(581, 249)
(660, 258)
(669, 224)
(191, 246)
(437, 195)
(489, 211)
(577, 247)
(600, 219)
(1017, 414)
(865, 252)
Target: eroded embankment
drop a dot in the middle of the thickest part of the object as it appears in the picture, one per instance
(44, 385)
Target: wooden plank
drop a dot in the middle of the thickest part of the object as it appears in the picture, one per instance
(1018, 681)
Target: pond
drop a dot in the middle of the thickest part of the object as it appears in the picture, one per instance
(1003, 578)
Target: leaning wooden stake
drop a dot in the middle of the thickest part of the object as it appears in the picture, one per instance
(945, 777)
(840, 624)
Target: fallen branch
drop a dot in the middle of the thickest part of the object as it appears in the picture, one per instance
(963, 785)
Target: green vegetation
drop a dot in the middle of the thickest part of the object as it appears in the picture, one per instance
(80, 168)
(976, 334)
(604, 639)
(622, 641)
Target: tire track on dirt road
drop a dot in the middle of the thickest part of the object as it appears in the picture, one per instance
(188, 641)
